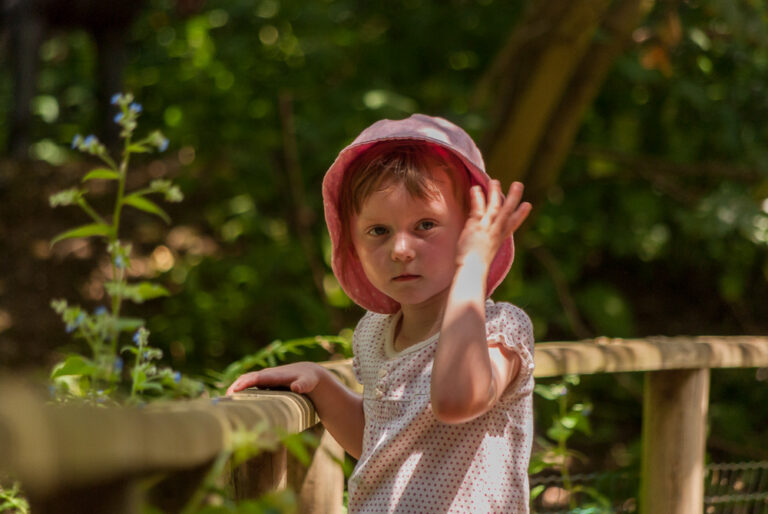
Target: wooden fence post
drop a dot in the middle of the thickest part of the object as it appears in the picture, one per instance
(675, 406)
(266, 472)
(320, 486)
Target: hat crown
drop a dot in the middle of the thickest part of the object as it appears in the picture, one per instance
(425, 128)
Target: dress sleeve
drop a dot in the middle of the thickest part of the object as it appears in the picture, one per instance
(511, 327)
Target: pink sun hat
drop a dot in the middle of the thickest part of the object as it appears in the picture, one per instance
(419, 128)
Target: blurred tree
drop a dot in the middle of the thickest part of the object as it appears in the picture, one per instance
(647, 174)
(544, 79)
(29, 22)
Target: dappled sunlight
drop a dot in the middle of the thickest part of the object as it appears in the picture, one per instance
(188, 239)
(6, 320)
(77, 248)
(162, 259)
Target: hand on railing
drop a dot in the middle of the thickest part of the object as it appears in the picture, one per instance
(300, 377)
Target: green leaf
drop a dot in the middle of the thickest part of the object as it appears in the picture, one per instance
(93, 229)
(536, 491)
(148, 290)
(551, 391)
(558, 432)
(102, 173)
(296, 445)
(129, 324)
(150, 386)
(141, 203)
(73, 365)
(137, 148)
(569, 421)
(583, 425)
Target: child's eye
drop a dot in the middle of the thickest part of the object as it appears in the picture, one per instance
(426, 225)
(377, 231)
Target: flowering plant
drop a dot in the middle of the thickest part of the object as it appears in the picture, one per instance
(99, 377)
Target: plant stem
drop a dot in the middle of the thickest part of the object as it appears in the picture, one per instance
(90, 211)
(117, 300)
(134, 374)
(194, 503)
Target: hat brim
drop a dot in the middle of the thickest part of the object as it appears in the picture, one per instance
(347, 267)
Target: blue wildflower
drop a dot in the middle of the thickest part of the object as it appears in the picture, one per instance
(115, 98)
(52, 391)
(145, 355)
(136, 338)
(163, 144)
(100, 310)
(177, 377)
(135, 107)
(88, 141)
(120, 262)
(76, 140)
(118, 117)
(76, 323)
(118, 365)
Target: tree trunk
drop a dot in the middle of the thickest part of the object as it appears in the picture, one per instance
(544, 79)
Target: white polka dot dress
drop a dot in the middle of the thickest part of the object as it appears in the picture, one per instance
(413, 463)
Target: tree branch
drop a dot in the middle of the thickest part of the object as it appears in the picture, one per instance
(578, 327)
(301, 215)
(557, 140)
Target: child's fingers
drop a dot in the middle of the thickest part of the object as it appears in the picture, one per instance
(514, 196)
(511, 203)
(513, 213)
(476, 202)
(243, 382)
(518, 217)
(494, 197)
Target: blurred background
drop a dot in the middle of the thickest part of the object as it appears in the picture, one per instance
(639, 128)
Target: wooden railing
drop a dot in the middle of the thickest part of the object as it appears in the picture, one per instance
(88, 459)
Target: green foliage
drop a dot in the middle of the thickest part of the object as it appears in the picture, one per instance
(11, 500)
(99, 376)
(278, 351)
(214, 497)
(555, 453)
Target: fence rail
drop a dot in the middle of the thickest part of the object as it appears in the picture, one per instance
(80, 459)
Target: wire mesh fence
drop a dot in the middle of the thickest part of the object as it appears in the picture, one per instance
(729, 488)
(736, 488)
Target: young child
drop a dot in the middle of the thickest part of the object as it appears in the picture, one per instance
(421, 237)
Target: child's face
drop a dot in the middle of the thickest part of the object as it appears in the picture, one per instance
(406, 244)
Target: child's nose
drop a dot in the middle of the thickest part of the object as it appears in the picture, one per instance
(402, 249)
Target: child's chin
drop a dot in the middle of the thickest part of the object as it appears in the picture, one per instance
(417, 299)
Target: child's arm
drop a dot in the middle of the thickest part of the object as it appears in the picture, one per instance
(340, 409)
(468, 375)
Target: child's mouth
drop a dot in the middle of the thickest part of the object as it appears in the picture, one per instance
(405, 278)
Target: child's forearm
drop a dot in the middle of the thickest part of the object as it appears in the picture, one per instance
(341, 411)
(463, 383)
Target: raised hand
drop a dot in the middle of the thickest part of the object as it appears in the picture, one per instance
(490, 223)
(301, 377)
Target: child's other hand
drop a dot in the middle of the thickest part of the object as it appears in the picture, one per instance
(489, 224)
(301, 377)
